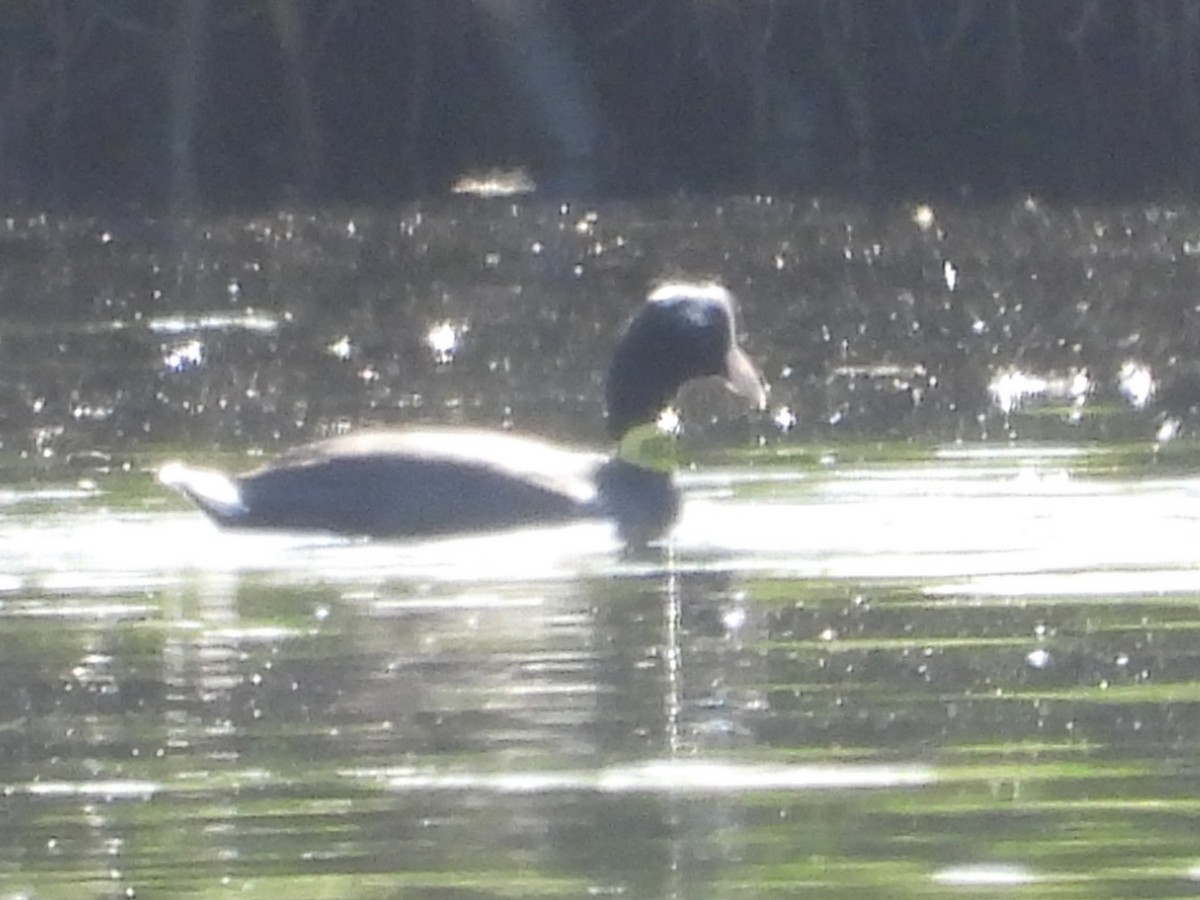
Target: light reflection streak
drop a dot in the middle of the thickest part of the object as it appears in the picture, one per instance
(263, 323)
(672, 654)
(457, 602)
(993, 452)
(44, 495)
(669, 776)
(1102, 583)
(104, 790)
(986, 875)
(1012, 387)
(976, 513)
(941, 522)
(84, 553)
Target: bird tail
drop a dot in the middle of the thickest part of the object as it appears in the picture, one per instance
(214, 492)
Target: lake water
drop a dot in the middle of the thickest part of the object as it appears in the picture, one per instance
(926, 628)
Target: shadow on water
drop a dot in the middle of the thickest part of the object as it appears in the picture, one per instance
(863, 667)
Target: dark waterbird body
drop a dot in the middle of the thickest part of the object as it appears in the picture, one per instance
(443, 481)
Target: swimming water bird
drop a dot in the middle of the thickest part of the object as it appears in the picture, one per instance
(444, 481)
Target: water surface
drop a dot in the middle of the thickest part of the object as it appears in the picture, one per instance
(926, 628)
(861, 679)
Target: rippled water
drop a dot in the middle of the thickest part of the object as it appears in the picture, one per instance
(864, 678)
(926, 628)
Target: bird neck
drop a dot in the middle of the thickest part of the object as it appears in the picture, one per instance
(649, 447)
(639, 387)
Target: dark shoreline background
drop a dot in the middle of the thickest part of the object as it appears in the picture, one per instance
(249, 103)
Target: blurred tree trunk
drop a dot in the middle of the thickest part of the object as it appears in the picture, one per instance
(845, 34)
(1188, 71)
(185, 71)
(289, 24)
(1012, 89)
(759, 84)
(420, 43)
(533, 45)
(68, 29)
